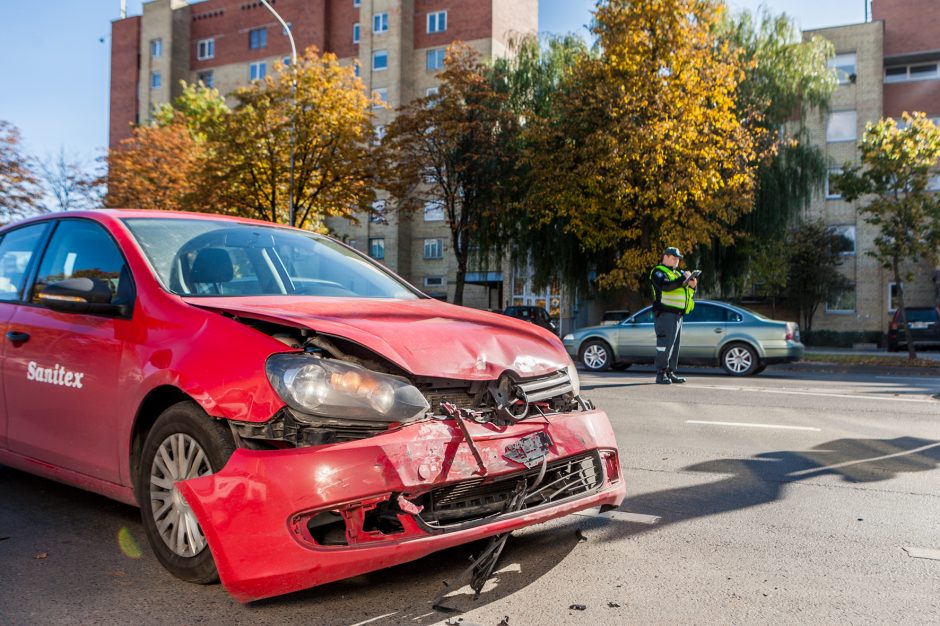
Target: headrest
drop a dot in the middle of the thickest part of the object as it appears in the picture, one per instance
(212, 265)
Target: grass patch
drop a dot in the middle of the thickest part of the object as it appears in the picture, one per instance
(877, 361)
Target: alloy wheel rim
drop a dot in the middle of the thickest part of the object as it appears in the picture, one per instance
(595, 357)
(738, 360)
(179, 457)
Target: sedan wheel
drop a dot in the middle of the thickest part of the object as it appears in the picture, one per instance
(596, 356)
(739, 360)
(184, 443)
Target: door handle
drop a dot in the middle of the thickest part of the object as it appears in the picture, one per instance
(719, 330)
(16, 336)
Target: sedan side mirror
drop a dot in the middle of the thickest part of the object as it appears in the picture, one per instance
(81, 295)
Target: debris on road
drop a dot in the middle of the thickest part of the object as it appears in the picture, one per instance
(613, 605)
(578, 607)
(41, 555)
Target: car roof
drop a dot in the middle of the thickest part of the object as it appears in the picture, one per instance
(109, 215)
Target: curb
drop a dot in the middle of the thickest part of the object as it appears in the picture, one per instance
(844, 368)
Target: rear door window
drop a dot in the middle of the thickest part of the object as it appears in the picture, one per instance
(16, 252)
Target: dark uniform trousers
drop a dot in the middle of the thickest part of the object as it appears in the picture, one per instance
(668, 327)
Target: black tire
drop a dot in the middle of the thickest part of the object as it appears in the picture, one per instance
(185, 425)
(760, 368)
(739, 359)
(596, 355)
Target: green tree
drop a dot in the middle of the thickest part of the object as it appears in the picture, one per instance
(786, 78)
(203, 111)
(451, 149)
(896, 165)
(813, 256)
(19, 186)
(645, 147)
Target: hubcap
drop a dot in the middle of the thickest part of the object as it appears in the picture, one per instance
(179, 457)
(595, 357)
(738, 360)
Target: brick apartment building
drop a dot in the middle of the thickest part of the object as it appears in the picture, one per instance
(399, 46)
(885, 67)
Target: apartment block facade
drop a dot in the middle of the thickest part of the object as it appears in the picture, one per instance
(398, 46)
(885, 67)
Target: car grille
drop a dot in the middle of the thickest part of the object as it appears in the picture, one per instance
(546, 387)
(476, 499)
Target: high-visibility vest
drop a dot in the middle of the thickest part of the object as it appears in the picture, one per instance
(680, 298)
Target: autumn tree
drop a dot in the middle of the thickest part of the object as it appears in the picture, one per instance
(70, 182)
(646, 148)
(19, 185)
(450, 149)
(329, 117)
(812, 257)
(897, 162)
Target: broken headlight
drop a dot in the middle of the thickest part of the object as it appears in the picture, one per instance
(575, 380)
(331, 388)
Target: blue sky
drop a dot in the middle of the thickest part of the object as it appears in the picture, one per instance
(57, 66)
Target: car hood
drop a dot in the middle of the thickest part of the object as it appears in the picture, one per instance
(424, 337)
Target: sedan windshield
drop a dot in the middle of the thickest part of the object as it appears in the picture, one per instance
(196, 257)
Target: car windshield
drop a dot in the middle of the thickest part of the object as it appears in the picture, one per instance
(197, 257)
(921, 315)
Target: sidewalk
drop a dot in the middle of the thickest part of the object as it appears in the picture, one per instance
(929, 355)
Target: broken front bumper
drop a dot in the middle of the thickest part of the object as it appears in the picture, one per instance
(261, 513)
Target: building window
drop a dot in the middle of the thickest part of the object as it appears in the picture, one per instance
(380, 60)
(357, 3)
(205, 78)
(832, 194)
(435, 58)
(288, 29)
(156, 48)
(437, 22)
(844, 66)
(380, 23)
(841, 300)
(258, 38)
(155, 80)
(893, 296)
(847, 233)
(841, 126)
(379, 133)
(433, 211)
(933, 183)
(434, 281)
(904, 73)
(257, 71)
(377, 248)
(205, 49)
(380, 96)
(434, 248)
(377, 216)
(356, 68)
(356, 32)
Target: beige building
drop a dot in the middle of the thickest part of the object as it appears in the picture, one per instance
(399, 46)
(885, 67)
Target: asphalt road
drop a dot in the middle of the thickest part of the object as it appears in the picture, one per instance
(786, 498)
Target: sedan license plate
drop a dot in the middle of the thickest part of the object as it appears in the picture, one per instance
(530, 450)
(918, 324)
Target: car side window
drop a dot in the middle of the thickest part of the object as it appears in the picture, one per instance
(644, 317)
(706, 313)
(16, 251)
(733, 316)
(81, 249)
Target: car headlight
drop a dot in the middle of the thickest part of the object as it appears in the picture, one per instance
(568, 337)
(575, 380)
(331, 388)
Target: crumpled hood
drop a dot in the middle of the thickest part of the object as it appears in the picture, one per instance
(425, 337)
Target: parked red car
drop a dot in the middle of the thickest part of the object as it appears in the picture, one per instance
(284, 411)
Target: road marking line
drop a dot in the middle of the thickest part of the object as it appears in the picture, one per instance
(621, 516)
(747, 425)
(375, 619)
(877, 458)
(807, 393)
(922, 553)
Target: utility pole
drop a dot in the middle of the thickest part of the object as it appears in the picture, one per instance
(293, 113)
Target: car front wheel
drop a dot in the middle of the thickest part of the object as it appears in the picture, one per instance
(596, 355)
(739, 359)
(184, 443)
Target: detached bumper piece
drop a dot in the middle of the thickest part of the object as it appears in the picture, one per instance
(279, 521)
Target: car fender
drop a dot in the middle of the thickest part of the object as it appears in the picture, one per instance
(599, 337)
(740, 337)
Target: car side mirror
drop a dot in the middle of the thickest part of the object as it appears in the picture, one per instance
(81, 295)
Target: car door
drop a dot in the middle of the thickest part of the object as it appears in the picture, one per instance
(18, 250)
(62, 375)
(702, 331)
(636, 337)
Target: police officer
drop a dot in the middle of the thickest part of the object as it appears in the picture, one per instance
(672, 298)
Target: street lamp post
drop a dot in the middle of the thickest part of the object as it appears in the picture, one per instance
(293, 113)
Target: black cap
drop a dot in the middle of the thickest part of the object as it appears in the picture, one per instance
(672, 252)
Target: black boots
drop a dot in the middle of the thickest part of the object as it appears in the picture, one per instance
(674, 377)
(662, 377)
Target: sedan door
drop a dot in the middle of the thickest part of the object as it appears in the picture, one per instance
(62, 372)
(702, 332)
(636, 337)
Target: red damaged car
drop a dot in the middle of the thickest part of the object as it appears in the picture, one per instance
(284, 411)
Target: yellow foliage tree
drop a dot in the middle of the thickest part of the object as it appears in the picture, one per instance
(645, 147)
